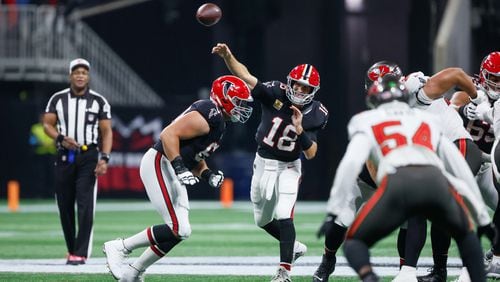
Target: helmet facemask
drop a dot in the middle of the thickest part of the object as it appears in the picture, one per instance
(491, 83)
(299, 98)
(241, 111)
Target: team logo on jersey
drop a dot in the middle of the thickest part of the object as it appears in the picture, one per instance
(278, 104)
(213, 112)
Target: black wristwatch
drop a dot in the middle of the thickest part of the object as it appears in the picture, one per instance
(105, 157)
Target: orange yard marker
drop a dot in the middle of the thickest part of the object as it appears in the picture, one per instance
(13, 195)
(227, 193)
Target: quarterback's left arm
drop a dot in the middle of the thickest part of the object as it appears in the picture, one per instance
(309, 147)
(107, 142)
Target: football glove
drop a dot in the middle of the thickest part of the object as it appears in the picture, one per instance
(326, 226)
(490, 231)
(470, 111)
(213, 179)
(184, 175)
(484, 112)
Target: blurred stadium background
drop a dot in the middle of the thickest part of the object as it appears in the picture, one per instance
(151, 59)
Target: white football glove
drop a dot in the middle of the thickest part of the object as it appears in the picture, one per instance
(470, 111)
(414, 81)
(215, 179)
(187, 178)
(484, 112)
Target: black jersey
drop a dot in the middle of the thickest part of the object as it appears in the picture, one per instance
(199, 148)
(276, 136)
(480, 131)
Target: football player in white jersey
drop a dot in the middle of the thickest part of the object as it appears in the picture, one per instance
(414, 164)
(478, 119)
(425, 93)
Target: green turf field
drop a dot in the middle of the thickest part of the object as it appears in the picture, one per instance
(216, 232)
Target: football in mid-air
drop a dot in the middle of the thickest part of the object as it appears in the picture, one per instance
(208, 14)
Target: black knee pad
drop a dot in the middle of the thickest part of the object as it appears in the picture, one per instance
(163, 233)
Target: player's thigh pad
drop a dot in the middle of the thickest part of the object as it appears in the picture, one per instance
(166, 193)
(288, 187)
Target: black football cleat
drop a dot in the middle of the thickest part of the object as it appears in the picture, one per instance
(436, 275)
(326, 267)
(372, 277)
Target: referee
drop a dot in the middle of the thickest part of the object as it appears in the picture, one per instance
(79, 119)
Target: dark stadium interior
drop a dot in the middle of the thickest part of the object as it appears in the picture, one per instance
(165, 45)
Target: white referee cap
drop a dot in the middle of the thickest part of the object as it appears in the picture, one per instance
(78, 63)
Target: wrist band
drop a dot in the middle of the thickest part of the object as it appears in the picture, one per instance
(178, 165)
(105, 157)
(305, 141)
(59, 138)
(205, 175)
(462, 110)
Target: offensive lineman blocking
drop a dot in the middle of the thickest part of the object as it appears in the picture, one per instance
(174, 162)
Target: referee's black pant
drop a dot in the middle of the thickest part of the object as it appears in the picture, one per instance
(76, 182)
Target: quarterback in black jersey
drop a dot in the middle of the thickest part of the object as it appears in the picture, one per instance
(177, 160)
(289, 124)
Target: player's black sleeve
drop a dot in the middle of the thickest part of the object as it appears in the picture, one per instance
(266, 92)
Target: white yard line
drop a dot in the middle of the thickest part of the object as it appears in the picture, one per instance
(127, 205)
(384, 266)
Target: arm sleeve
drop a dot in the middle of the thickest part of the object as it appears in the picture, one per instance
(265, 92)
(348, 170)
(463, 180)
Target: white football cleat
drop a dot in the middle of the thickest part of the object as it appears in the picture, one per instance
(115, 256)
(406, 274)
(493, 269)
(464, 276)
(282, 275)
(299, 250)
(131, 274)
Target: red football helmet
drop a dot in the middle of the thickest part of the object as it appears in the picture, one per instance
(304, 74)
(232, 95)
(489, 75)
(379, 69)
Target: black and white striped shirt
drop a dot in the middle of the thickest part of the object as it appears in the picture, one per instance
(78, 116)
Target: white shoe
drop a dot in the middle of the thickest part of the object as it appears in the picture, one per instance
(299, 250)
(406, 274)
(115, 256)
(282, 275)
(131, 274)
(493, 269)
(464, 276)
